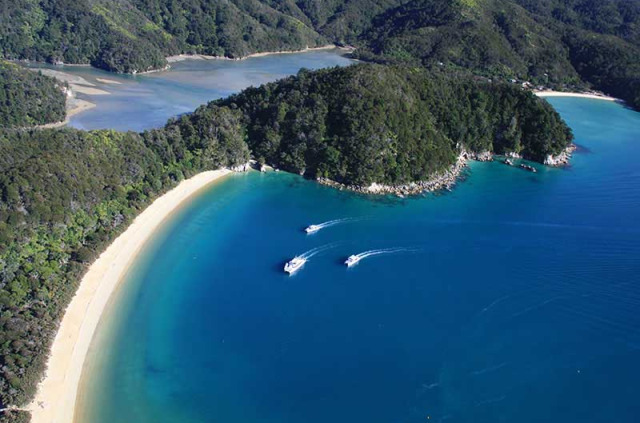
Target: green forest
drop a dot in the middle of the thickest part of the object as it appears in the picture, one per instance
(564, 44)
(65, 194)
(388, 124)
(29, 98)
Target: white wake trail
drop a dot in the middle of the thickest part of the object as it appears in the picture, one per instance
(317, 227)
(356, 258)
(308, 254)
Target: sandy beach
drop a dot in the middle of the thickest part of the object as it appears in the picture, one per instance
(77, 84)
(74, 106)
(569, 94)
(181, 57)
(56, 396)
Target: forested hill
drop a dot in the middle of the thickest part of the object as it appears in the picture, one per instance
(557, 43)
(135, 35)
(551, 42)
(28, 98)
(64, 195)
(386, 124)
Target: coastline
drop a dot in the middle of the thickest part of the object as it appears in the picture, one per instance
(73, 107)
(442, 180)
(78, 84)
(56, 396)
(182, 57)
(574, 94)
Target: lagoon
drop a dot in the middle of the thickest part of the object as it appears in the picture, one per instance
(140, 102)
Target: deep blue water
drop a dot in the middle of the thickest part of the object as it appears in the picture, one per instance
(521, 303)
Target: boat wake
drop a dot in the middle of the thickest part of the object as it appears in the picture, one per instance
(312, 229)
(296, 263)
(307, 255)
(356, 258)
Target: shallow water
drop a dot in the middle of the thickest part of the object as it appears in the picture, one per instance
(146, 101)
(519, 304)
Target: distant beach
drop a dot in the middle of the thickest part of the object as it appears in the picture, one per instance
(570, 94)
(74, 106)
(77, 84)
(181, 57)
(148, 101)
(56, 396)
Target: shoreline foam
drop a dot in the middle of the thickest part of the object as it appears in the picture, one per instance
(56, 397)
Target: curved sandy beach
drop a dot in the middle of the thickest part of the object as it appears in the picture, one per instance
(56, 396)
(569, 94)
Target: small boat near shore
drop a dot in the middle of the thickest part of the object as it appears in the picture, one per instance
(508, 162)
(294, 265)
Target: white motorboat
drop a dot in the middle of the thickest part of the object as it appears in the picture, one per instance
(353, 260)
(294, 265)
(312, 229)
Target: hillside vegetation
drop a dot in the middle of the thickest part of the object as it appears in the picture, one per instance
(135, 35)
(64, 195)
(558, 43)
(29, 98)
(371, 123)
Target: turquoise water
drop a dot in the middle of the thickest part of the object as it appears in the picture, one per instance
(518, 302)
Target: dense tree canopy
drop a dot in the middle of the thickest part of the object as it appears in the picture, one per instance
(64, 194)
(559, 43)
(29, 98)
(371, 123)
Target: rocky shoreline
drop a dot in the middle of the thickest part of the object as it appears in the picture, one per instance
(447, 179)
(561, 159)
(439, 181)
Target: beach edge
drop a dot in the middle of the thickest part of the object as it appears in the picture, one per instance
(55, 399)
(544, 94)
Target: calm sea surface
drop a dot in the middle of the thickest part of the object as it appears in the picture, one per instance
(146, 101)
(516, 299)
